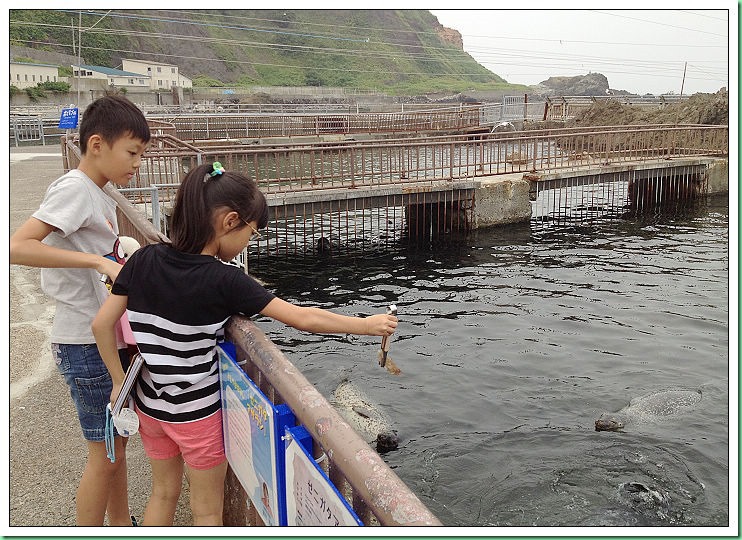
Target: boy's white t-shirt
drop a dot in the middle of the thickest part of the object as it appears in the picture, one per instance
(85, 219)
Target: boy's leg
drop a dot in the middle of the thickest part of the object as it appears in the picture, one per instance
(103, 487)
(103, 484)
(167, 480)
(207, 494)
(118, 498)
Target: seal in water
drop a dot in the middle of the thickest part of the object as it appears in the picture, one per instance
(366, 418)
(650, 408)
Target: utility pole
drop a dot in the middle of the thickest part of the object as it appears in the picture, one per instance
(682, 84)
(79, 48)
(79, 56)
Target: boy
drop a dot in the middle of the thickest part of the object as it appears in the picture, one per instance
(73, 237)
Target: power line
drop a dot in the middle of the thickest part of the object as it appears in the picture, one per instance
(247, 29)
(613, 14)
(498, 56)
(482, 54)
(250, 62)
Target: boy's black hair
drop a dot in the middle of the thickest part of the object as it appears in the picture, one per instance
(112, 117)
(200, 194)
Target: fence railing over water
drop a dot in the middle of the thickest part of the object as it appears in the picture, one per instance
(403, 169)
(350, 164)
(659, 188)
(375, 492)
(407, 165)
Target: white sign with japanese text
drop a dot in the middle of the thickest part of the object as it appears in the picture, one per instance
(311, 499)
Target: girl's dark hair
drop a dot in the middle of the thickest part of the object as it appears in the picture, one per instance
(112, 117)
(200, 194)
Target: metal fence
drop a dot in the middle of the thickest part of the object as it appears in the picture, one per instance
(202, 127)
(348, 195)
(210, 121)
(350, 164)
(663, 187)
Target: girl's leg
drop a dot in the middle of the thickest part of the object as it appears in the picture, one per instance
(207, 494)
(100, 487)
(167, 479)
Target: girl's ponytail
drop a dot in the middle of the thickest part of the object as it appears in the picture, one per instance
(205, 189)
(190, 226)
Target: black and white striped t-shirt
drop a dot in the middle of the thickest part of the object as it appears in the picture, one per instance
(178, 304)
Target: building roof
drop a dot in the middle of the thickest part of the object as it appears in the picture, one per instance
(34, 64)
(148, 62)
(112, 71)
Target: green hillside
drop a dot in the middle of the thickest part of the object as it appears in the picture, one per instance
(397, 51)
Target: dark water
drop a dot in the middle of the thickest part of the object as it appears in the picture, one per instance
(513, 341)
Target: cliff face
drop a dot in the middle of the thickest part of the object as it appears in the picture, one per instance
(449, 35)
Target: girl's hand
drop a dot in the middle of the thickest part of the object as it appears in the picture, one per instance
(381, 324)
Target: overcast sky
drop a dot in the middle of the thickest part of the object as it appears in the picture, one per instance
(642, 51)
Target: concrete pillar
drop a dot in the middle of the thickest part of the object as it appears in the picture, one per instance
(500, 200)
(718, 177)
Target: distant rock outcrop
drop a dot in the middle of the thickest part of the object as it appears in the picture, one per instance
(592, 84)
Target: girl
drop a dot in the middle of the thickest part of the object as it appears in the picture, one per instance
(178, 297)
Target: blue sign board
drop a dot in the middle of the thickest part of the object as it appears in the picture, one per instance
(253, 428)
(68, 119)
(271, 456)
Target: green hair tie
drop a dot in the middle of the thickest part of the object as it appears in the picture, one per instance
(218, 169)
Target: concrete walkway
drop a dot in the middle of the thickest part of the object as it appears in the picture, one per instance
(47, 450)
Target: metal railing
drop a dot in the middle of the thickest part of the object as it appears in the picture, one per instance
(375, 492)
(27, 129)
(205, 122)
(198, 127)
(350, 164)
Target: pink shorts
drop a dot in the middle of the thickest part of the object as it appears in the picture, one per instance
(201, 442)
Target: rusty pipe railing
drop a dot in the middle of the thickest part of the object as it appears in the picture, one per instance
(374, 487)
(199, 127)
(296, 167)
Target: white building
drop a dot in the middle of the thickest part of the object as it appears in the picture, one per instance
(161, 76)
(109, 77)
(27, 75)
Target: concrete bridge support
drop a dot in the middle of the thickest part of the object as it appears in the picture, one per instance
(718, 177)
(500, 200)
(503, 199)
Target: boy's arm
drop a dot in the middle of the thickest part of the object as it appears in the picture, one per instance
(104, 330)
(27, 248)
(322, 321)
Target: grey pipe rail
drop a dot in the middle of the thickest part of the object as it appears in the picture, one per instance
(370, 478)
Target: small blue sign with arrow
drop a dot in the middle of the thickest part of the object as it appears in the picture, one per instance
(68, 119)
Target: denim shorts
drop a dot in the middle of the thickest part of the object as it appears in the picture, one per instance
(90, 384)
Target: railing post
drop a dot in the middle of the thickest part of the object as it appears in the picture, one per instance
(451, 158)
(156, 208)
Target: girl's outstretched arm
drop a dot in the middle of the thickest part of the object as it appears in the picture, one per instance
(322, 321)
(104, 330)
